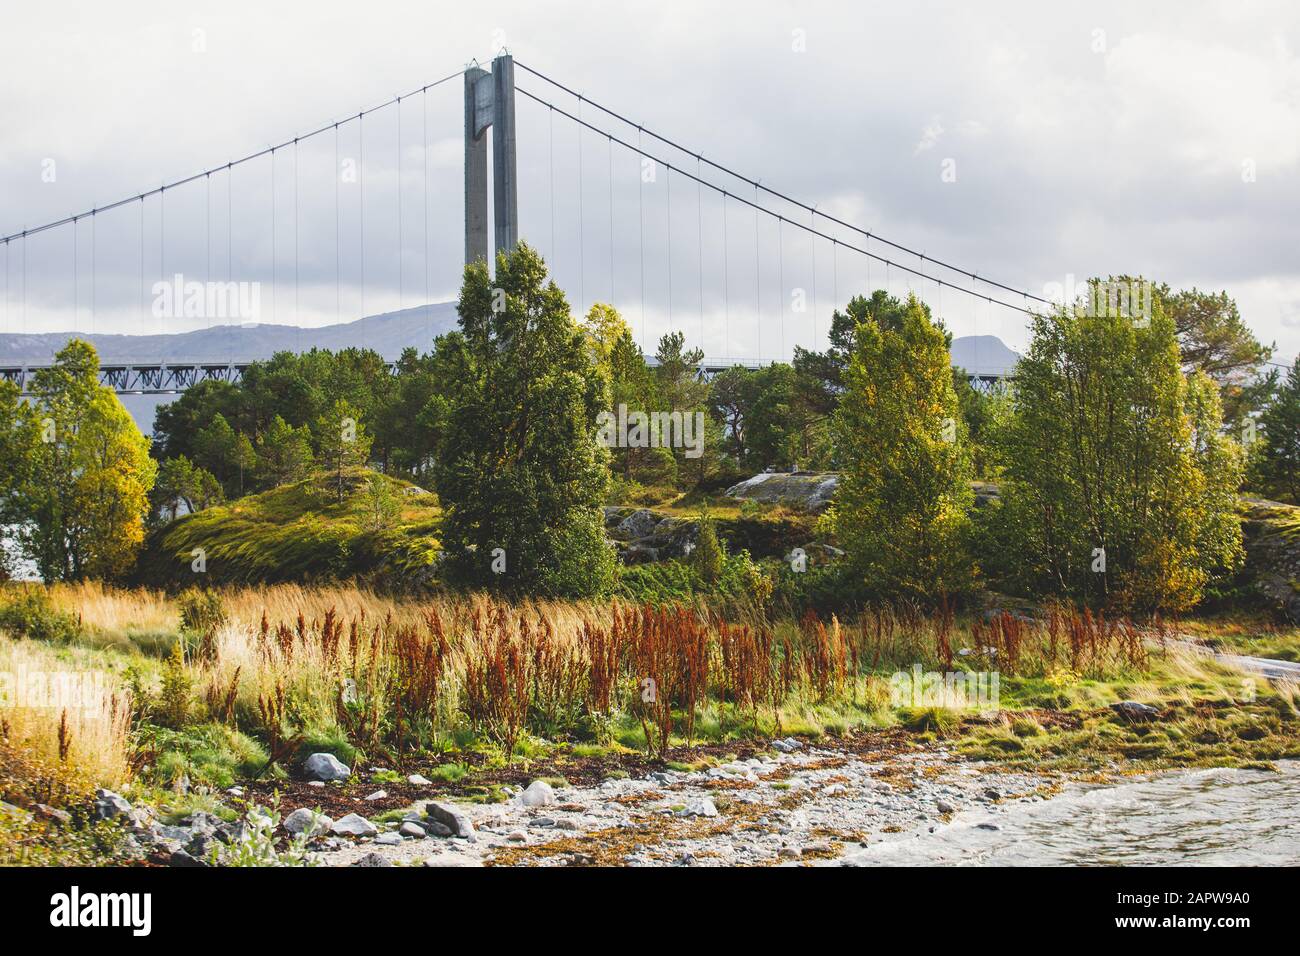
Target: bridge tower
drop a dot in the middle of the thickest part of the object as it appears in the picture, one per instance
(490, 101)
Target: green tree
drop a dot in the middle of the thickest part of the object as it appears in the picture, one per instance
(758, 410)
(19, 434)
(632, 386)
(519, 471)
(901, 507)
(1213, 338)
(383, 507)
(343, 442)
(683, 390)
(179, 482)
(85, 497)
(708, 555)
(603, 328)
(285, 453)
(1118, 487)
(226, 453)
(1275, 465)
(819, 376)
(978, 412)
(402, 425)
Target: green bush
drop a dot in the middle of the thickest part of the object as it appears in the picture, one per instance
(709, 555)
(211, 755)
(667, 582)
(201, 611)
(29, 612)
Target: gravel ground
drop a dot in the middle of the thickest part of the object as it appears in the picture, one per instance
(812, 805)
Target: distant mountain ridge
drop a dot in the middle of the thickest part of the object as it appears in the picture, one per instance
(983, 355)
(387, 333)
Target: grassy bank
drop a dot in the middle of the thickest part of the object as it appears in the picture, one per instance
(195, 693)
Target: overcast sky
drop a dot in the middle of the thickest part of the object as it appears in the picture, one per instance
(1160, 139)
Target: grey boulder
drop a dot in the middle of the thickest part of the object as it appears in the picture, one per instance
(325, 767)
(304, 821)
(455, 821)
(109, 805)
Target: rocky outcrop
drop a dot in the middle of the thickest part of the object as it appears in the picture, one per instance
(802, 490)
(641, 535)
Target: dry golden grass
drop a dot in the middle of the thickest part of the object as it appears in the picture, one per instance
(105, 609)
(64, 707)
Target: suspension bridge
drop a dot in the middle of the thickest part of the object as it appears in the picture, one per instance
(674, 239)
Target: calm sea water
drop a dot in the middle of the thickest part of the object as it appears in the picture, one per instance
(1189, 818)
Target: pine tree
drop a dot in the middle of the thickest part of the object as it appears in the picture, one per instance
(1276, 452)
(285, 453)
(344, 443)
(707, 556)
(518, 470)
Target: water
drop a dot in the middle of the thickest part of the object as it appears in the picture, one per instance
(1188, 818)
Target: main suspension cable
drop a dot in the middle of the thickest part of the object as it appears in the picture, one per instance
(773, 192)
(811, 230)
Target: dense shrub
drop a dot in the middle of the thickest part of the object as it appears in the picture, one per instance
(29, 612)
(201, 611)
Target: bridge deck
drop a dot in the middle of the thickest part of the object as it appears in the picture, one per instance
(172, 378)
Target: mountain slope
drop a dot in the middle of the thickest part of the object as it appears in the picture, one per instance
(387, 334)
(983, 355)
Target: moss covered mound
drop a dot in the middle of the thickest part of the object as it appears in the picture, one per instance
(301, 532)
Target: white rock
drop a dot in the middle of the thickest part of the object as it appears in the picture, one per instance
(354, 825)
(388, 839)
(701, 807)
(537, 794)
(377, 795)
(416, 780)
